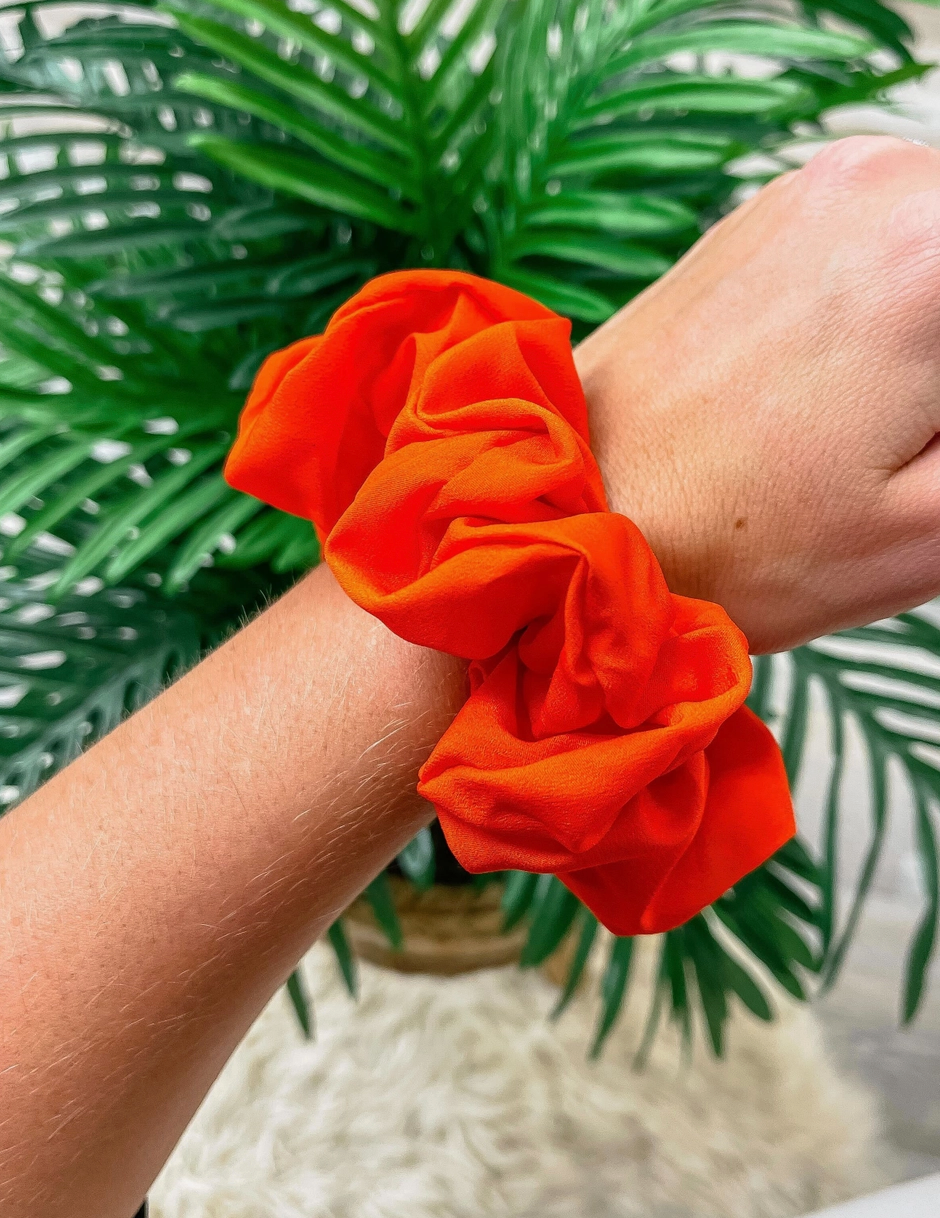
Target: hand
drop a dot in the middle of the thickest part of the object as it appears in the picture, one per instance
(767, 413)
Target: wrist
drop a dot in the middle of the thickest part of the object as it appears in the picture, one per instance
(651, 473)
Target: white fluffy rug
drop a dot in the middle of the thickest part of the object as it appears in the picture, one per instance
(456, 1098)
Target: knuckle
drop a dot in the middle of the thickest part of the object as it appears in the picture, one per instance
(861, 161)
(883, 196)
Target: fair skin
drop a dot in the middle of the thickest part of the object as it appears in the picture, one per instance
(766, 413)
(156, 893)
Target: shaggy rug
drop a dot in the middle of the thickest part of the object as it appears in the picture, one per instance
(457, 1098)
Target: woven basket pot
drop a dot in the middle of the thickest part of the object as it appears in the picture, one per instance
(447, 930)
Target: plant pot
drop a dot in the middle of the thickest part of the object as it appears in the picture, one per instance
(448, 929)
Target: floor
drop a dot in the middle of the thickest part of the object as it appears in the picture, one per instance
(903, 1066)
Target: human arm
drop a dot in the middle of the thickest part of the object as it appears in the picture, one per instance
(156, 893)
(767, 412)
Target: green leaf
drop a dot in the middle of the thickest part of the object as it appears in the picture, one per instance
(344, 957)
(606, 253)
(569, 299)
(481, 17)
(838, 946)
(172, 520)
(282, 169)
(613, 988)
(115, 239)
(747, 989)
(791, 943)
(299, 1001)
(698, 95)
(582, 952)
(377, 168)
(428, 26)
(706, 957)
(883, 23)
(643, 153)
(308, 275)
(87, 487)
(118, 521)
(830, 872)
(552, 912)
(795, 857)
(272, 537)
(623, 215)
(105, 655)
(33, 480)
(417, 860)
(517, 897)
(22, 440)
(904, 686)
(116, 204)
(668, 10)
(299, 28)
(468, 108)
(294, 80)
(203, 541)
(743, 38)
(38, 328)
(302, 551)
(759, 697)
(865, 86)
(262, 222)
(379, 896)
(793, 744)
(654, 1015)
(674, 964)
(769, 942)
(195, 319)
(789, 899)
(925, 937)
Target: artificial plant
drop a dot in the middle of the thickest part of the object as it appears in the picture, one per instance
(186, 186)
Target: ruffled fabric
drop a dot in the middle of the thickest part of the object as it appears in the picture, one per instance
(436, 435)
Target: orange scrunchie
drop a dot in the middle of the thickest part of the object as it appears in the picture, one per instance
(436, 434)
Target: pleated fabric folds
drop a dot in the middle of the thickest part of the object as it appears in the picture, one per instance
(436, 435)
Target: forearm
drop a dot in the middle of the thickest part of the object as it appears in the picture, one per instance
(154, 895)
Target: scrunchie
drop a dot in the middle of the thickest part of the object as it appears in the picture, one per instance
(436, 434)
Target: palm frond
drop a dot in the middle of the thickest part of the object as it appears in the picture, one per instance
(766, 928)
(882, 683)
(606, 139)
(70, 671)
(384, 112)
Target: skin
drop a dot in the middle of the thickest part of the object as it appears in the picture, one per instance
(767, 413)
(157, 892)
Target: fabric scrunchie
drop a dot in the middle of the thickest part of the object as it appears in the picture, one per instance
(436, 434)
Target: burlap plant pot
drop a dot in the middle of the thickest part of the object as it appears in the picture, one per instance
(447, 930)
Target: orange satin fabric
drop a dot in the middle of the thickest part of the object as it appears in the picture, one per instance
(436, 434)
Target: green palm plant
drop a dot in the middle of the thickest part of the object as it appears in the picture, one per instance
(185, 187)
